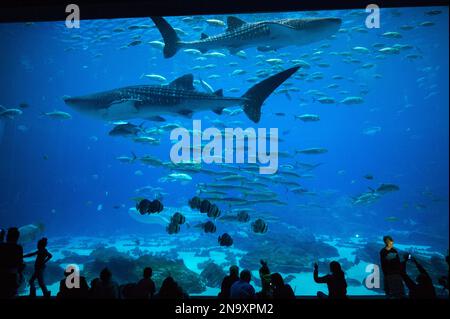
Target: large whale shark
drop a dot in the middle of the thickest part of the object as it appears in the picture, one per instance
(265, 35)
(176, 98)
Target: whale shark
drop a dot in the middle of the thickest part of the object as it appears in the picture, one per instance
(264, 35)
(179, 97)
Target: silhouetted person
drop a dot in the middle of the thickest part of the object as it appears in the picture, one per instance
(11, 264)
(337, 285)
(145, 288)
(104, 287)
(264, 276)
(42, 257)
(443, 281)
(2, 235)
(280, 290)
(242, 289)
(228, 281)
(423, 287)
(170, 290)
(80, 292)
(392, 269)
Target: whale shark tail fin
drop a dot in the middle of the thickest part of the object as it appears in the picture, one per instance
(257, 94)
(171, 39)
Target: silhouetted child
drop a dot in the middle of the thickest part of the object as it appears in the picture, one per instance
(42, 257)
(80, 292)
(337, 285)
(104, 287)
(264, 275)
(171, 290)
(145, 288)
(2, 235)
(228, 281)
(242, 289)
(280, 290)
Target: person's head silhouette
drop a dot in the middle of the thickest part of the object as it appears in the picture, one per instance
(42, 243)
(234, 271)
(13, 235)
(148, 271)
(245, 276)
(105, 275)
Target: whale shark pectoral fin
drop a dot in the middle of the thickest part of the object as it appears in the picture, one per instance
(218, 110)
(156, 118)
(121, 107)
(186, 113)
(233, 50)
(266, 48)
(278, 29)
(234, 23)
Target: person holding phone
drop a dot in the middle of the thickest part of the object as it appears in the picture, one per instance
(423, 287)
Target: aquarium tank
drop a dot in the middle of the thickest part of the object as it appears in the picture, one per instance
(193, 143)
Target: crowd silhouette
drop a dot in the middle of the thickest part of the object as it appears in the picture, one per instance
(236, 285)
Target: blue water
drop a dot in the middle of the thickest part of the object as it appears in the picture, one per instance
(58, 172)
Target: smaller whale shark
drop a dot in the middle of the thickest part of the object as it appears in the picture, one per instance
(176, 98)
(264, 35)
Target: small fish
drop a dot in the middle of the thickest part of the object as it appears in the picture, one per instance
(352, 100)
(58, 115)
(308, 117)
(154, 77)
(9, 113)
(316, 150)
(215, 22)
(134, 43)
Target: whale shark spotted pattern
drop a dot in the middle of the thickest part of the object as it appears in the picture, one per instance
(177, 98)
(264, 35)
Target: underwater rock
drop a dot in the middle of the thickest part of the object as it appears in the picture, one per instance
(162, 267)
(345, 264)
(126, 269)
(288, 252)
(123, 268)
(435, 240)
(353, 282)
(71, 257)
(369, 253)
(106, 253)
(289, 278)
(212, 275)
(203, 265)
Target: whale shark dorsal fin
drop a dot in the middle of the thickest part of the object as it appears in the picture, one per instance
(203, 36)
(185, 82)
(219, 92)
(234, 23)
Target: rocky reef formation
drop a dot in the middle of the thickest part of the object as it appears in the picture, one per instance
(288, 252)
(126, 269)
(212, 275)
